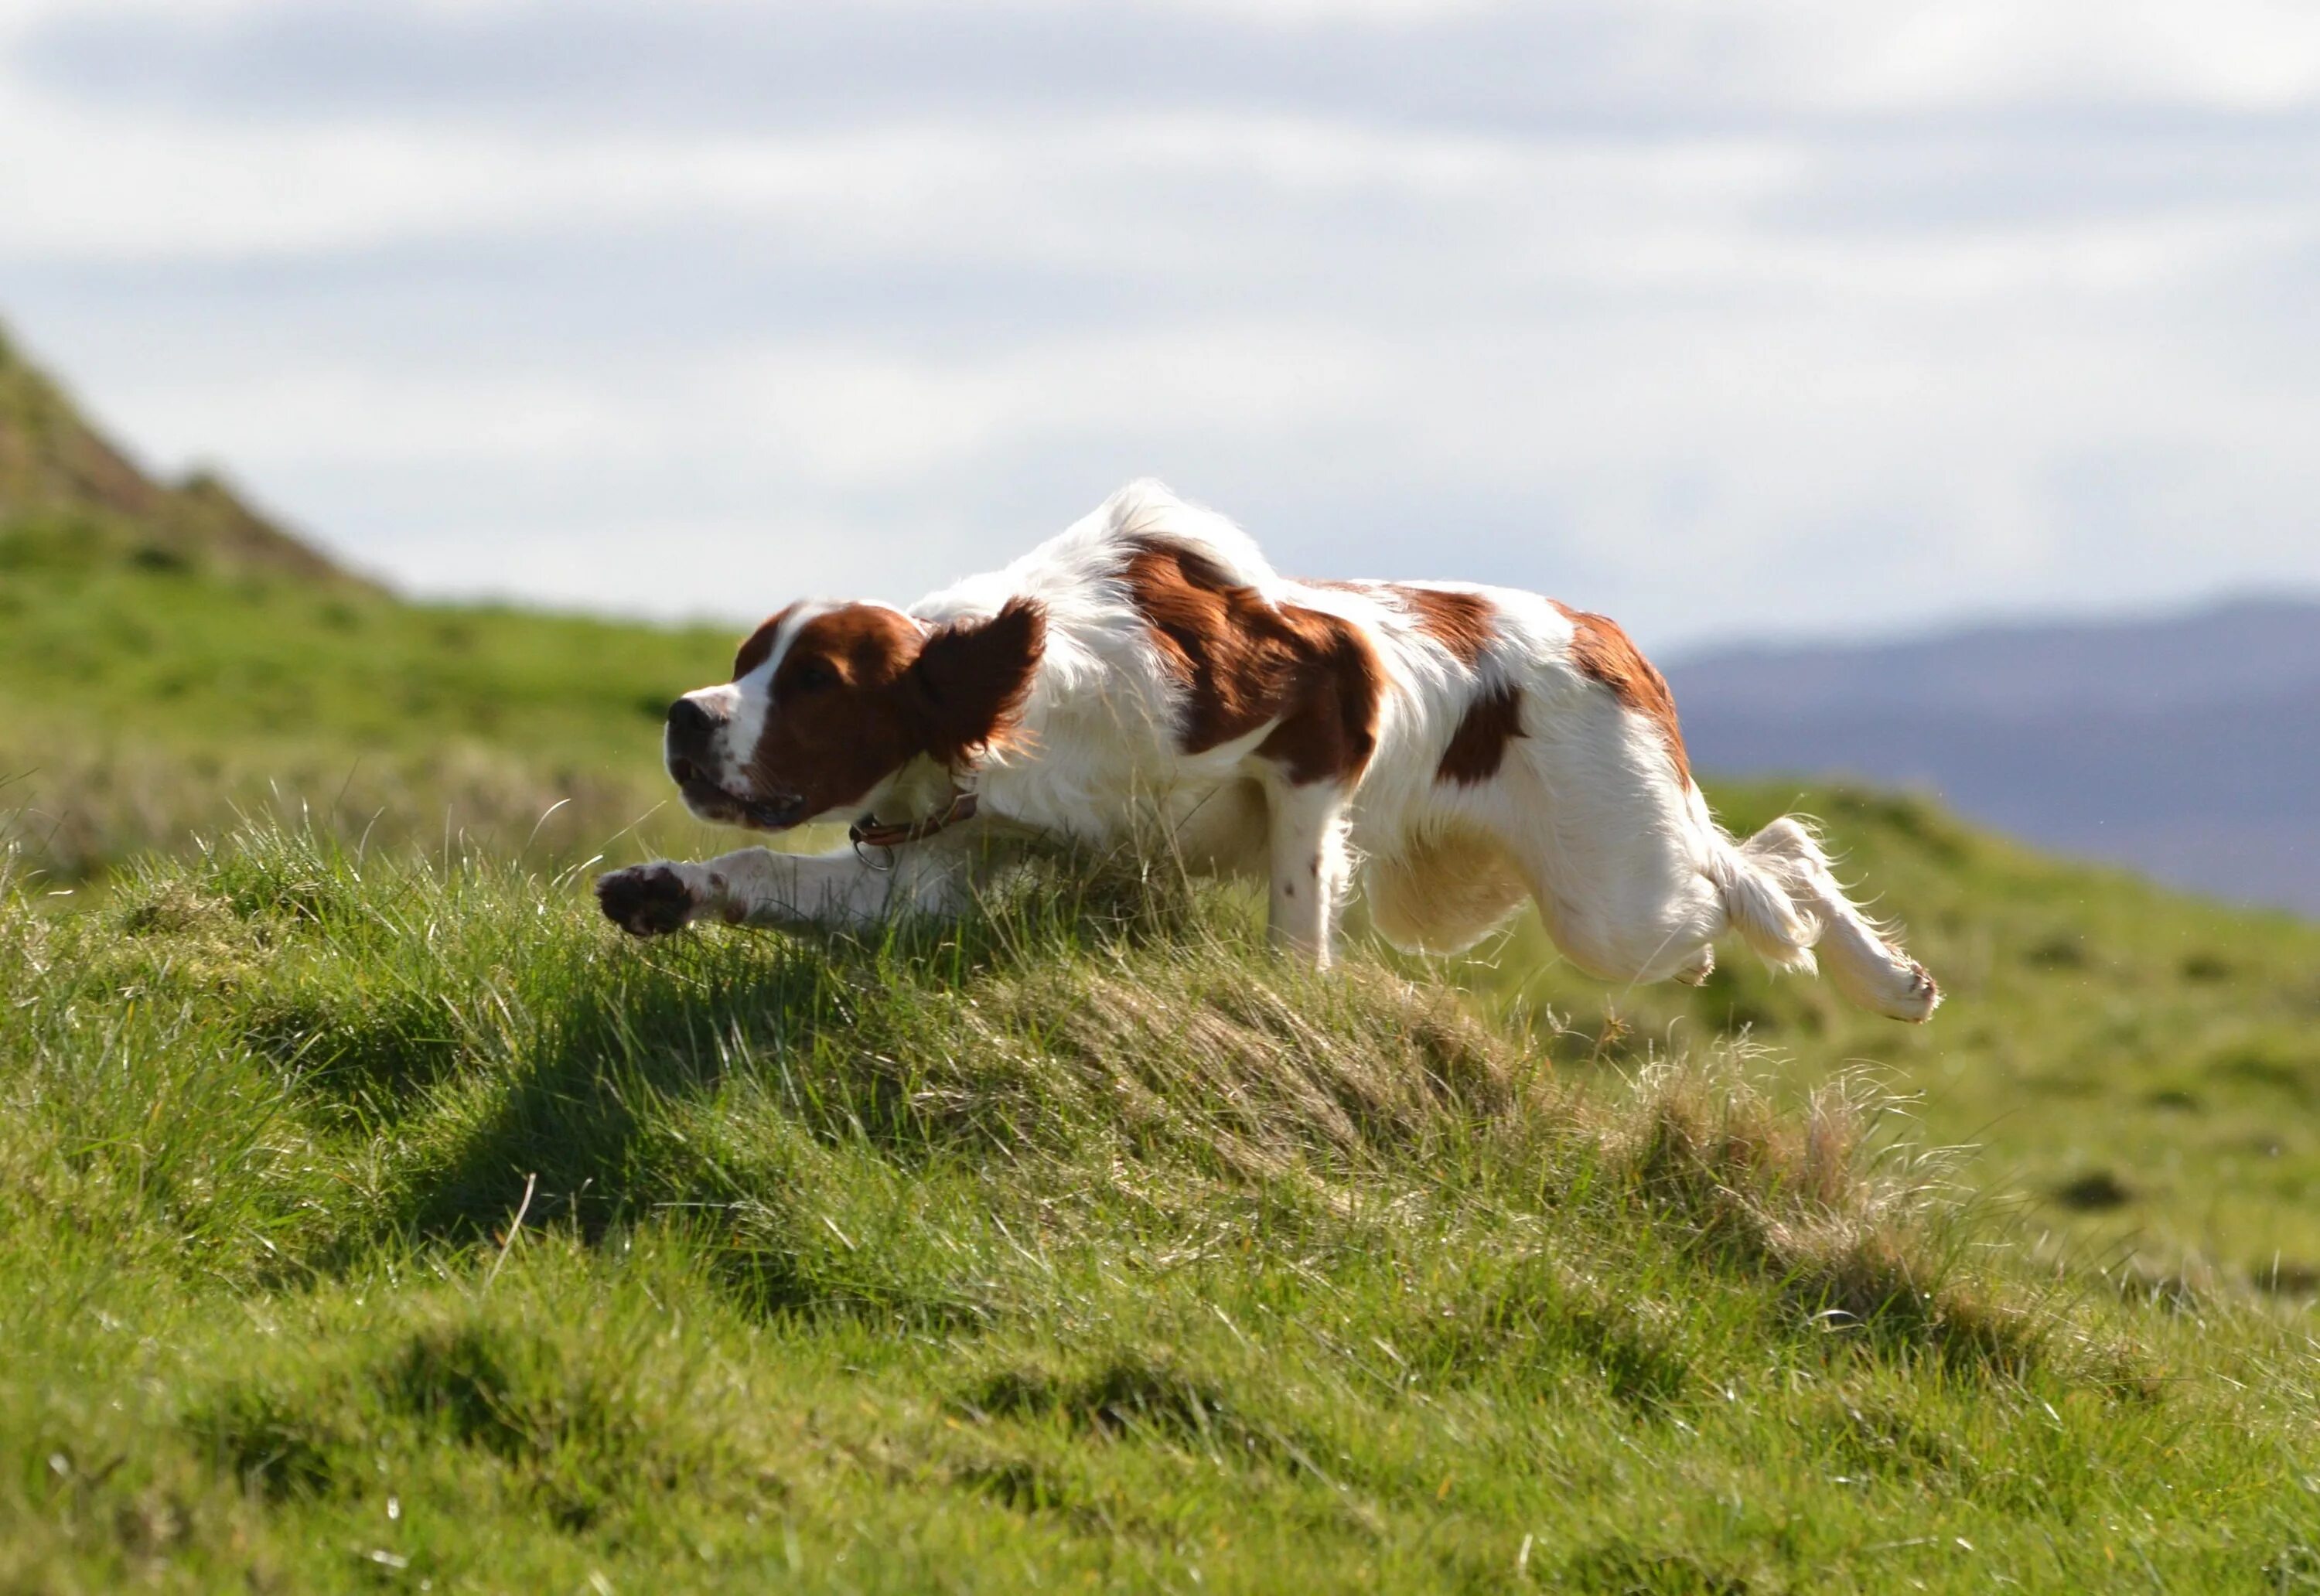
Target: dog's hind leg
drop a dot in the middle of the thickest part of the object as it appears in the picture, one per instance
(1783, 897)
(1441, 892)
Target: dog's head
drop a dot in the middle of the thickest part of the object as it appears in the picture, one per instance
(829, 702)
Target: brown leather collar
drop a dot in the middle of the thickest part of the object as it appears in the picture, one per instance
(867, 832)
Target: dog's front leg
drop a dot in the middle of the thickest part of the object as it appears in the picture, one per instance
(757, 886)
(1309, 867)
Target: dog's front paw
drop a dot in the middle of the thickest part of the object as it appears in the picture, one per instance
(646, 899)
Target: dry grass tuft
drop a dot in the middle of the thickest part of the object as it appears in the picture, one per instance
(1859, 1243)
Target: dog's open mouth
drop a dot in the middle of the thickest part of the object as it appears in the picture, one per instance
(776, 813)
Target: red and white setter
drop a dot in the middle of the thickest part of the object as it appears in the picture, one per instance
(1456, 748)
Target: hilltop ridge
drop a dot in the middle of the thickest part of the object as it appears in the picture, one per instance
(55, 467)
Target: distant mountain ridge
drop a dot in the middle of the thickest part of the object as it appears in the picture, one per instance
(55, 467)
(2185, 746)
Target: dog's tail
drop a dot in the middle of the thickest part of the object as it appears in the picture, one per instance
(1781, 895)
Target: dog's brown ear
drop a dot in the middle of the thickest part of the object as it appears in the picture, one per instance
(967, 685)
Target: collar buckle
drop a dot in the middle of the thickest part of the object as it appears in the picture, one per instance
(867, 832)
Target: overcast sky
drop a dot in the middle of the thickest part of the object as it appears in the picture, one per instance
(1745, 319)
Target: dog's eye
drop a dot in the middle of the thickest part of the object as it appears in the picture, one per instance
(814, 675)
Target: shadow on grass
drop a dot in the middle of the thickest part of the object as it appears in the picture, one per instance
(1622, 1568)
(753, 1085)
(1137, 1397)
(1539, 1323)
(823, 1037)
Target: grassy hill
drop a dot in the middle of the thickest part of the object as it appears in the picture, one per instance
(372, 1216)
(2136, 1069)
(170, 659)
(144, 700)
(378, 1225)
(54, 464)
(2139, 1065)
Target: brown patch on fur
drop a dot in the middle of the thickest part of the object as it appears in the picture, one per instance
(1479, 745)
(838, 720)
(758, 646)
(861, 693)
(1244, 662)
(1462, 622)
(1604, 651)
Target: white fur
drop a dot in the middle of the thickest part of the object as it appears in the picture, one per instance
(1588, 815)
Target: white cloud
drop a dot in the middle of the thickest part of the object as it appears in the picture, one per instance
(2248, 55)
(1866, 312)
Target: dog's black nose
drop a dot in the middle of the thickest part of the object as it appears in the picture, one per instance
(687, 719)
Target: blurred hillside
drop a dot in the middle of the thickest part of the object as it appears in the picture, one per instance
(170, 659)
(54, 465)
(2185, 746)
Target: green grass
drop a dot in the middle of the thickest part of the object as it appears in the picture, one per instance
(148, 694)
(2138, 1070)
(371, 1216)
(1075, 1247)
